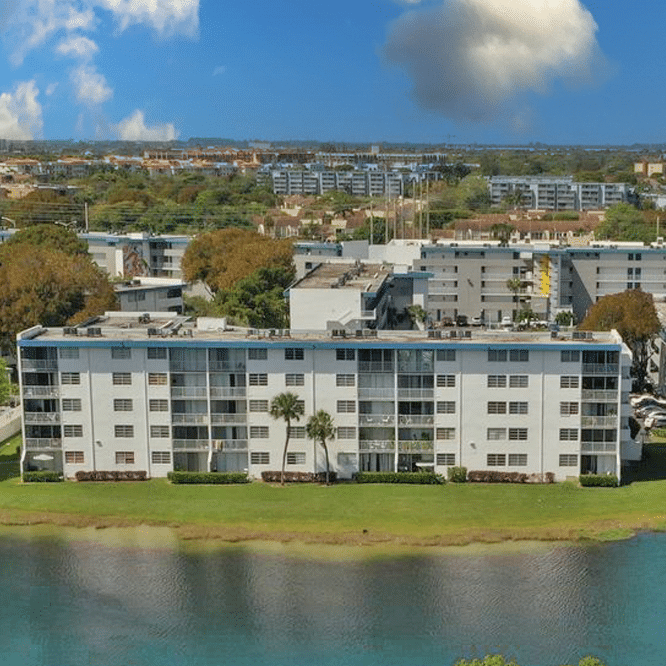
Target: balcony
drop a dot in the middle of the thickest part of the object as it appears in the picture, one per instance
(191, 444)
(598, 447)
(376, 419)
(232, 445)
(375, 366)
(601, 368)
(228, 418)
(41, 443)
(189, 419)
(41, 417)
(599, 396)
(376, 445)
(39, 364)
(598, 421)
(416, 394)
(416, 446)
(226, 366)
(416, 419)
(41, 392)
(188, 391)
(376, 394)
(227, 392)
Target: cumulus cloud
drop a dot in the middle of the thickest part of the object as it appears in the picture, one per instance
(77, 46)
(91, 87)
(166, 16)
(473, 59)
(20, 112)
(134, 128)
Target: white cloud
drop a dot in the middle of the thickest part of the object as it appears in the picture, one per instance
(220, 69)
(50, 89)
(91, 86)
(166, 16)
(20, 112)
(134, 128)
(77, 46)
(473, 59)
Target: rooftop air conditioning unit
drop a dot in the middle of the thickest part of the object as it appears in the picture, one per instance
(69, 330)
(94, 332)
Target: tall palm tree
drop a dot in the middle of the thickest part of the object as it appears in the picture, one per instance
(289, 407)
(320, 428)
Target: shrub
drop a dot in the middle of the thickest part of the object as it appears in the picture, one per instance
(111, 476)
(457, 474)
(298, 477)
(422, 478)
(494, 476)
(599, 480)
(42, 477)
(208, 477)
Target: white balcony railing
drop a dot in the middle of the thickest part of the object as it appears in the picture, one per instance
(416, 394)
(189, 419)
(599, 396)
(416, 419)
(32, 444)
(227, 392)
(191, 444)
(416, 445)
(375, 366)
(232, 445)
(598, 421)
(600, 368)
(188, 391)
(228, 418)
(39, 364)
(376, 393)
(376, 445)
(41, 392)
(376, 419)
(598, 447)
(41, 417)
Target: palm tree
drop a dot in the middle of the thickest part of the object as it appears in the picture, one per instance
(289, 407)
(320, 428)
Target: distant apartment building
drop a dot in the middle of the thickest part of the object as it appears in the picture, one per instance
(150, 294)
(557, 193)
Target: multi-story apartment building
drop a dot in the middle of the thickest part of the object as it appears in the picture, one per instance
(125, 393)
(557, 193)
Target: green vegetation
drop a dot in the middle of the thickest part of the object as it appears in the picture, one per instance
(415, 478)
(288, 407)
(457, 474)
(208, 477)
(320, 428)
(623, 222)
(598, 480)
(10, 455)
(498, 660)
(42, 477)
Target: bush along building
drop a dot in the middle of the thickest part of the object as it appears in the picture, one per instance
(157, 392)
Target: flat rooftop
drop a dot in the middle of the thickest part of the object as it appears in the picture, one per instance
(358, 276)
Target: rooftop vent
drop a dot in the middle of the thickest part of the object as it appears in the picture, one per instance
(69, 330)
(94, 332)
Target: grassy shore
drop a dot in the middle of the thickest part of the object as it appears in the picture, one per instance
(344, 513)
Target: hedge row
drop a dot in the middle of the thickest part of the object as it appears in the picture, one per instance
(42, 477)
(599, 480)
(494, 476)
(208, 477)
(298, 477)
(422, 478)
(457, 474)
(111, 476)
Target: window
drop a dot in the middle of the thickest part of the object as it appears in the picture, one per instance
(260, 458)
(157, 353)
(568, 381)
(518, 408)
(496, 381)
(124, 457)
(346, 407)
(158, 405)
(259, 432)
(446, 407)
(447, 459)
(122, 378)
(568, 460)
(445, 433)
(258, 379)
(570, 356)
(294, 354)
(122, 405)
(257, 354)
(495, 434)
(345, 354)
(568, 434)
(517, 459)
(346, 433)
(70, 353)
(74, 458)
(345, 380)
(519, 355)
(72, 430)
(71, 404)
(294, 380)
(295, 458)
(518, 381)
(446, 354)
(159, 431)
(123, 430)
(297, 432)
(157, 378)
(496, 355)
(70, 378)
(121, 352)
(517, 434)
(160, 457)
(446, 381)
(258, 405)
(497, 408)
(346, 460)
(568, 408)
(496, 459)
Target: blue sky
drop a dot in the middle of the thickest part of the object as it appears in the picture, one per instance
(555, 71)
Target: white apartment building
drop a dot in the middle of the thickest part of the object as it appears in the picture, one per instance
(123, 393)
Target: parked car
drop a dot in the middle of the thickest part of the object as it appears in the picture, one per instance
(476, 321)
(507, 321)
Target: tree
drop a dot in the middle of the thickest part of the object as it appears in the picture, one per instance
(633, 315)
(52, 236)
(320, 428)
(6, 386)
(288, 407)
(417, 315)
(498, 660)
(514, 285)
(623, 222)
(502, 232)
(565, 318)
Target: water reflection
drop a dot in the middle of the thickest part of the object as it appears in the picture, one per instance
(81, 602)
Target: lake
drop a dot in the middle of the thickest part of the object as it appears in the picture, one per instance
(141, 598)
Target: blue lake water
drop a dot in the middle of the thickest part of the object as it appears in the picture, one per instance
(75, 602)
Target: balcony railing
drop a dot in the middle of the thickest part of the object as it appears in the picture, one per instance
(41, 417)
(598, 421)
(232, 445)
(416, 445)
(41, 443)
(41, 392)
(598, 447)
(600, 368)
(416, 419)
(190, 419)
(39, 364)
(376, 445)
(227, 392)
(228, 418)
(191, 444)
(188, 391)
(416, 394)
(376, 394)
(599, 396)
(375, 366)
(226, 366)
(376, 419)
